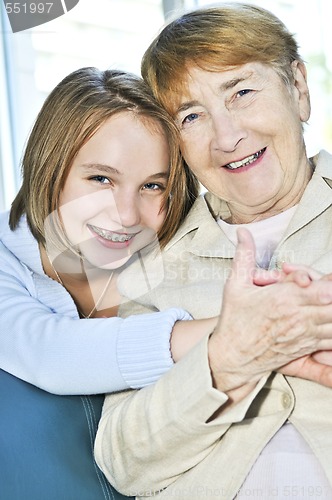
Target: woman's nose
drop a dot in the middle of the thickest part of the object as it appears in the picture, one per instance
(226, 132)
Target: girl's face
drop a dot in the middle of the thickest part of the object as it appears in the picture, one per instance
(111, 201)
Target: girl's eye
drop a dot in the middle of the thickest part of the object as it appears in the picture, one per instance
(152, 186)
(101, 179)
(190, 118)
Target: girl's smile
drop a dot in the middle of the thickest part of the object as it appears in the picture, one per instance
(112, 239)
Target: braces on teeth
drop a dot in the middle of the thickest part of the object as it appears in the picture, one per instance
(112, 237)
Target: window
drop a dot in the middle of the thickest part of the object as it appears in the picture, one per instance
(115, 33)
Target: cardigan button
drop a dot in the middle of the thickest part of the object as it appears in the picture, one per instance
(286, 400)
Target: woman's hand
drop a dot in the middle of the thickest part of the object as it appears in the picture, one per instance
(302, 276)
(316, 367)
(263, 328)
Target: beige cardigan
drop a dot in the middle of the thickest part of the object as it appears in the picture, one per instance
(158, 438)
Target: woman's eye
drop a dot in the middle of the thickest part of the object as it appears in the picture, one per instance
(101, 179)
(243, 92)
(190, 118)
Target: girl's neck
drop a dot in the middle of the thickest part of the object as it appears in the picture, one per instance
(93, 290)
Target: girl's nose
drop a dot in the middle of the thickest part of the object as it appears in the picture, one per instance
(127, 207)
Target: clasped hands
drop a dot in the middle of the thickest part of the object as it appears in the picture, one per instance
(271, 321)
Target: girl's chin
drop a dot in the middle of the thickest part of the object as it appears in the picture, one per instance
(105, 263)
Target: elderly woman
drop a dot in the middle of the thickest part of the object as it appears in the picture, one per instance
(236, 417)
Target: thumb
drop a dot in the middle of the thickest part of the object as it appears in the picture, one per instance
(244, 264)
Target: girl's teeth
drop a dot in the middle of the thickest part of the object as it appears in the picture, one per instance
(117, 237)
(111, 236)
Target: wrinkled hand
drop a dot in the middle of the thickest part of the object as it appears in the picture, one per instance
(263, 328)
(316, 367)
(310, 369)
(299, 274)
(302, 276)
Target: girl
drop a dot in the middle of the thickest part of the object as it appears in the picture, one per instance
(100, 183)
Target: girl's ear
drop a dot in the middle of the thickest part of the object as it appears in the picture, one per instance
(301, 89)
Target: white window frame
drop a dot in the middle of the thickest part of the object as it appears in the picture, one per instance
(8, 172)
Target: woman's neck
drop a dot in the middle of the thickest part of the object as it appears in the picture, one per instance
(246, 215)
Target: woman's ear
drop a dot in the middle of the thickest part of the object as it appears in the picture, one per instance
(302, 91)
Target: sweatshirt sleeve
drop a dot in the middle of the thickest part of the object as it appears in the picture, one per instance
(144, 346)
(58, 352)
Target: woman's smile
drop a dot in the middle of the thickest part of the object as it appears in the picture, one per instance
(245, 162)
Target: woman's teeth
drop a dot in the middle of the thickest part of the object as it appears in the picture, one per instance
(246, 161)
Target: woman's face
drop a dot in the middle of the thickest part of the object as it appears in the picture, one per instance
(111, 202)
(241, 134)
